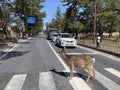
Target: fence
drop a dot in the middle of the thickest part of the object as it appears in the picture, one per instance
(108, 45)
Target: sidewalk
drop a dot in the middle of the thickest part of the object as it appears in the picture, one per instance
(107, 49)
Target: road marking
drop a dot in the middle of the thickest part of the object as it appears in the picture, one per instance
(64, 65)
(46, 81)
(113, 71)
(106, 82)
(79, 53)
(101, 53)
(75, 82)
(16, 82)
(8, 51)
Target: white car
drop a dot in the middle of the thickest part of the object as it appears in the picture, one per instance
(54, 37)
(66, 39)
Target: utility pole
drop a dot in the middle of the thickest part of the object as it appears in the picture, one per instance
(95, 2)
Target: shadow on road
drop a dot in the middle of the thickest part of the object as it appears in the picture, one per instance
(13, 54)
(67, 74)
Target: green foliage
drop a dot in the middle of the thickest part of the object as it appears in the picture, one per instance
(108, 19)
(26, 8)
(57, 22)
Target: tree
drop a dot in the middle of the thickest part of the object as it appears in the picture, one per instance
(5, 13)
(58, 18)
(72, 23)
(58, 21)
(21, 8)
(108, 13)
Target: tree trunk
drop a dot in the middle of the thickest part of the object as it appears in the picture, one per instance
(119, 33)
(76, 34)
(13, 37)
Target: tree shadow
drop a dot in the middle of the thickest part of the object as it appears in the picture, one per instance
(13, 54)
(26, 42)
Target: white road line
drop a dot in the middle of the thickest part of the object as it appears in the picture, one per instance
(101, 53)
(64, 65)
(75, 82)
(106, 82)
(46, 81)
(16, 82)
(79, 53)
(113, 71)
(8, 51)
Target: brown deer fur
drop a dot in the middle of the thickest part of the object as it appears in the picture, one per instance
(79, 61)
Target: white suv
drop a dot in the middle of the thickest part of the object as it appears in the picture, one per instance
(66, 39)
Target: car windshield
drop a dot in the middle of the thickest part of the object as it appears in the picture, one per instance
(66, 36)
(55, 35)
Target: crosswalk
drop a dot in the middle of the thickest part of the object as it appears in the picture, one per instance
(47, 82)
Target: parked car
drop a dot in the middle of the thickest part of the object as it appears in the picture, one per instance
(66, 39)
(54, 37)
(50, 32)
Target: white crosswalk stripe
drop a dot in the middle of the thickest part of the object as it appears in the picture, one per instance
(113, 71)
(109, 84)
(46, 81)
(16, 82)
(77, 82)
(106, 82)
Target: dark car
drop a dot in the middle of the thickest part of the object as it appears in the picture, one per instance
(50, 32)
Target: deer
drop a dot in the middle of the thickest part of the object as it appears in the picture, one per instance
(79, 60)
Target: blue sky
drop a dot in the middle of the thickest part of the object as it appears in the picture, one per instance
(50, 7)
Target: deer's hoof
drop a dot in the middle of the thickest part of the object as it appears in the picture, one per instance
(86, 80)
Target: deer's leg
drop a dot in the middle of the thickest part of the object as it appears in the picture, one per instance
(94, 76)
(71, 71)
(90, 69)
(88, 76)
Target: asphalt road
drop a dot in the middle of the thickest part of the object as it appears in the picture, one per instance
(35, 65)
